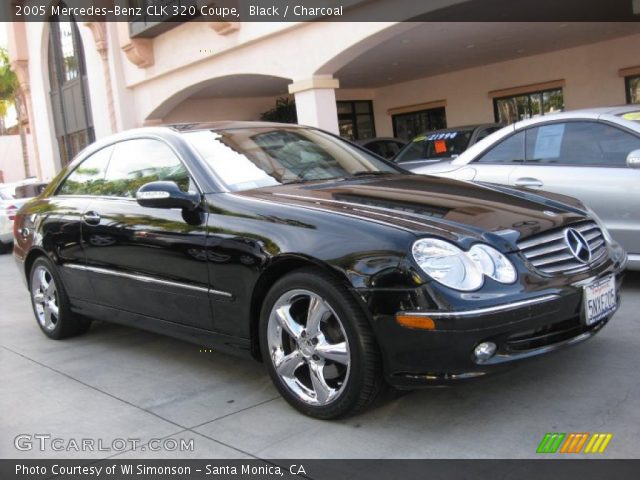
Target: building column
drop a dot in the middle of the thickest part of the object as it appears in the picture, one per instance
(99, 30)
(19, 61)
(25, 117)
(316, 102)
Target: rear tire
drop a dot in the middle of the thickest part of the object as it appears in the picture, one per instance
(318, 346)
(51, 304)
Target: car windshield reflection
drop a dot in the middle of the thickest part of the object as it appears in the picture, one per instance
(262, 157)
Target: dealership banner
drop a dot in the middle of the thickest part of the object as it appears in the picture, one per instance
(153, 11)
(111, 469)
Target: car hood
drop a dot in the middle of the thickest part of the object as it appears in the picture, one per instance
(433, 205)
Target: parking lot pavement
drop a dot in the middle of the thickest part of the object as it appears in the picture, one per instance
(117, 382)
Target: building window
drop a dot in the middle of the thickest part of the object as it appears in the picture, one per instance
(73, 122)
(157, 16)
(355, 119)
(409, 125)
(69, 55)
(533, 104)
(632, 87)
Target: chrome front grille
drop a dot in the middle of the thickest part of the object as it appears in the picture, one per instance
(550, 253)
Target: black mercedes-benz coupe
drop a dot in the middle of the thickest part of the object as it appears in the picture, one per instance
(339, 270)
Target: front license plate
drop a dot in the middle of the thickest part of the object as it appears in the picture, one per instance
(599, 299)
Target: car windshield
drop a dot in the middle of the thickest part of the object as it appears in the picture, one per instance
(249, 158)
(633, 116)
(435, 145)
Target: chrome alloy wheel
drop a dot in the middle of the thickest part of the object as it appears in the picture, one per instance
(308, 347)
(45, 298)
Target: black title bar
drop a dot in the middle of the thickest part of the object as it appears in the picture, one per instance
(154, 11)
(111, 469)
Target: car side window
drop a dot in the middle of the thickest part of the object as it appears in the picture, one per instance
(580, 143)
(485, 132)
(375, 147)
(385, 148)
(88, 177)
(388, 149)
(414, 151)
(139, 161)
(510, 150)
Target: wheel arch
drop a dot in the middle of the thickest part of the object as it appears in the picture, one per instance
(31, 257)
(277, 269)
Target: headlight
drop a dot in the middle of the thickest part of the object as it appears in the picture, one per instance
(492, 263)
(447, 264)
(454, 268)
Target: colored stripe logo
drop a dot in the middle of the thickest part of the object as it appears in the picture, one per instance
(574, 442)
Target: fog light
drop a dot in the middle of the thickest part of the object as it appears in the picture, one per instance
(484, 351)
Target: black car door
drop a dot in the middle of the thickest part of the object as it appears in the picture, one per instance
(147, 261)
(62, 216)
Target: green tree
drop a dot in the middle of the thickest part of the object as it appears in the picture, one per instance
(284, 112)
(11, 95)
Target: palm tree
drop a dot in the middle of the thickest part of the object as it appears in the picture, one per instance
(11, 95)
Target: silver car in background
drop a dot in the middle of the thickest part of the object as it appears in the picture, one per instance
(442, 145)
(593, 155)
(12, 197)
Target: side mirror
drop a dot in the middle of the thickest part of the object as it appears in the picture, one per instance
(166, 195)
(633, 159)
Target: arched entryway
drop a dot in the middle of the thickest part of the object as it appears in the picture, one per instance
(69, 94)
(242, 96)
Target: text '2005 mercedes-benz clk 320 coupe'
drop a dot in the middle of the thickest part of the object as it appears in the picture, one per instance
(339, 270)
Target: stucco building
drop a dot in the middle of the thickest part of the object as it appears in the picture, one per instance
(86, 79)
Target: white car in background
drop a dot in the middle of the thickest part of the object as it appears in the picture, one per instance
(9, 205)
(593, 155)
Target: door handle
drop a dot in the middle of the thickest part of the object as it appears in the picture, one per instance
(91, 218)
(528, 182)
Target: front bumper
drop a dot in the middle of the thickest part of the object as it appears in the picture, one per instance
(538, 322)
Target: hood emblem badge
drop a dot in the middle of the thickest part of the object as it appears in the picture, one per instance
(578, 245)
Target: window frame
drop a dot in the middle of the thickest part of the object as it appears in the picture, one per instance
(354, 117)
(58, 85)
(113, 144)
(396, 116)
(576, 120)
(627, 88)
(528, 94)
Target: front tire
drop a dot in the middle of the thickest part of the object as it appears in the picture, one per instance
(318, 346)
(51, 304)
